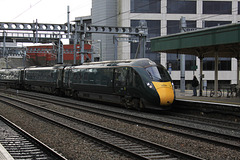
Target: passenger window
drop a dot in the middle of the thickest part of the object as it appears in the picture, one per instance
(85, 76)
(106, 79)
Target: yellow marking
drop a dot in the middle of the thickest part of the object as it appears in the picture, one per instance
(165, 92)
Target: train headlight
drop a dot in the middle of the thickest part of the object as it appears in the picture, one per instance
(149, 85)
(173, 85)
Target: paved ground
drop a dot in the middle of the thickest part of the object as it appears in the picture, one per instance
(224, 99)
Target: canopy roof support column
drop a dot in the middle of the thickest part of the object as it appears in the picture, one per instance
(237, 53)
(238, 69)
(201, 75)
(216, 74)
(182, 67)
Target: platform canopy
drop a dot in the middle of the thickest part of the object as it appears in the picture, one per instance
(225, 40)
(220, 41)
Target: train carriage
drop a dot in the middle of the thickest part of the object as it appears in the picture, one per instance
(10, 77)
(137, 83)
(44, 79)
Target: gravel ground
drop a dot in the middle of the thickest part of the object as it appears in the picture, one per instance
(67, 143)
(75, 147)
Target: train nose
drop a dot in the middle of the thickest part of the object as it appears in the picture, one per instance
(165, 92)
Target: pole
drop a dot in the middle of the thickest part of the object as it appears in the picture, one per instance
(62, 60)
(4, 43)
(36, 35)
(143, 31)
(216, 74)
(182, 58)
(201, 75)
(101, 54)
(142, 41)
(75, 43)
(82, 40)
(24, 57)
(238, 69)
(68, 21)
(4, 48)
(115, 41)
(60, 51)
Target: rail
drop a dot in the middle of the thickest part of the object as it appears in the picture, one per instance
(22, 145)
(124, 143)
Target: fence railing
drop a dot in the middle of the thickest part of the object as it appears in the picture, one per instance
(231, 91)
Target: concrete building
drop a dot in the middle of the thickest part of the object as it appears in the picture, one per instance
(104, 14)
(163, 17)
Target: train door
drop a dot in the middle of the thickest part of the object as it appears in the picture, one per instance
(22, 74)
(66, 79)
(121, 80)
(60, 72)
(136, 85)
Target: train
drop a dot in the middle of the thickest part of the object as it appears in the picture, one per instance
(134, 83)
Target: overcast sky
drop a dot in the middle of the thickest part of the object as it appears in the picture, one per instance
(46, 11)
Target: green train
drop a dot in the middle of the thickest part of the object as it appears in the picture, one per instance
(136, 83)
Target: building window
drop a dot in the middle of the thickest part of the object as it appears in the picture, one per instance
(173, 26)
(217, 7)
(153, 31)
(181, 7)
(173, 60)
(238, 7)
(224, 64)
(216, 23)
(145, 6)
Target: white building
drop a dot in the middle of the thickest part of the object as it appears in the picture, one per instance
(163, 18)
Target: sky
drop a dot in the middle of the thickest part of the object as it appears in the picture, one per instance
(45, 11)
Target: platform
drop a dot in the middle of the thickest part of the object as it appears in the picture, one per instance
(4, 155)
(188, 95)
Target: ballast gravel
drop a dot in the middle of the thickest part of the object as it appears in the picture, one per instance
(73, 146)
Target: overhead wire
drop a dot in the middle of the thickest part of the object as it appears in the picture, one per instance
(74, 9)
(202, 18)
(198, 19)
(193, 19)
(27, 10)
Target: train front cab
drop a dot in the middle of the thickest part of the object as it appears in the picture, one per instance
(162, 84)
(140, 88)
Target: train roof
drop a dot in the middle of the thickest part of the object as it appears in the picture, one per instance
(143, 62)
(10, 69)
(45, 68)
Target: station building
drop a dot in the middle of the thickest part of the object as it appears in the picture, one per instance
(163, 18)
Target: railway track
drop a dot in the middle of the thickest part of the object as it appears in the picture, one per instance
(216, 133)
(22, 145)
(224, 124)
(123, 143)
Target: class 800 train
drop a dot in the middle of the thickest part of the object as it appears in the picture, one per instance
(136, 83)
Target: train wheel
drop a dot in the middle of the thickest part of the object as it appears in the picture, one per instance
(127, 105)
(61, 93)
(56, 92)
(126, 102)
(75, 95)
(135, 103)
(141, 105)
